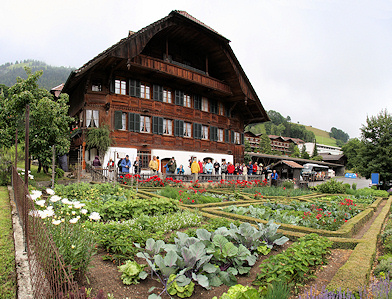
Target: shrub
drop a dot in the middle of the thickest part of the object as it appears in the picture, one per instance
(288, 184)
(354, 186)
(7, 155)
(332, 187)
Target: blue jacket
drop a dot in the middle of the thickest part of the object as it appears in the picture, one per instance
(125, 163)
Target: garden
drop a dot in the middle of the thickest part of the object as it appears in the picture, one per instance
(222, 240)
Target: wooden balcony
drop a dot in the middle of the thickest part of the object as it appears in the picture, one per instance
(182, 72)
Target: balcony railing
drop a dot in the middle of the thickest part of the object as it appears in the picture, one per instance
(182, 72)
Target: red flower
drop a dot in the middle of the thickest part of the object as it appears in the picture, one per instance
(193, 200)
(345, 220)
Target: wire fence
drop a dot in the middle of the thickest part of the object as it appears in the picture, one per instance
(50, 277)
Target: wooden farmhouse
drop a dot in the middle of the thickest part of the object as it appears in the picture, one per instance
(172, 89)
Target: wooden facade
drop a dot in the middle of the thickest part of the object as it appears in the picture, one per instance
(175, 85)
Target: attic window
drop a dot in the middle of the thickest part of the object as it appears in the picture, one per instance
(96, 86)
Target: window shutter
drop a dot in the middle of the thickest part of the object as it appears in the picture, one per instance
(117, 120)
(179, 98)
(155, 125)
(111, 85)
(157, 93)
(232, 136)
(197, 131)
(131, 122)
(214, 106)
(227, 110)
(214, 133)
(137, 122)
(160, 125)
(242, 139)
(227, 137)
(197, 102)
(134, 88)
(175, 127)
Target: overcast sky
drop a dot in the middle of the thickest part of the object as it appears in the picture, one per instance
(323, 63)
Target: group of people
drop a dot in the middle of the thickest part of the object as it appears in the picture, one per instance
(196, 166)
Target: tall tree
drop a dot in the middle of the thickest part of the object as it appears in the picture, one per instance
(338, 134)
(352, 150)
(376, 136)
(49, 121)
(315, 152)
(304, 153)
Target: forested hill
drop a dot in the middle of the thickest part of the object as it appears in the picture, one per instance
(52, 76)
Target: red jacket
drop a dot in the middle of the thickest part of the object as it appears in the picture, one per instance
(201, 167)
(254, 168)
(230, 168)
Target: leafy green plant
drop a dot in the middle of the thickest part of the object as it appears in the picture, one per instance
(332, 186)
(385, 267)
(239, 291)
(132, 272)
(181, 291)
(277, 290)
(297, 263)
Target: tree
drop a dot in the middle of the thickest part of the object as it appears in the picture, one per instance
(247, 146)
(315, 152)
(280, 129)
(339, 135)
(376, 136)
(265, 144)
(295, 153)
(304, 153)
(100, 139)
(352, 150)
(49, 120)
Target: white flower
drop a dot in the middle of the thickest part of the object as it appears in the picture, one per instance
(73, 212)
(83, 211)
(46, 213)
(94, 216)
(41, 202)
(74, 220)
(34, 213)
(56, 222)
(35, 194)
(31, 177)
(78, 205)
(49, 208)
(72, 246)
(50, 191)
(55, 198)
(66, 201)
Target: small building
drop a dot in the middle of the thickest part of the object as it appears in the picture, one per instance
(321, 149)
(288, 170)
(337, 159)
(253, 139)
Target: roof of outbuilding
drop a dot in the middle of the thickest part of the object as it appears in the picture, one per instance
(292, 164)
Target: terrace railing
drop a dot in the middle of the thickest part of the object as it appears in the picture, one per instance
(50, 277)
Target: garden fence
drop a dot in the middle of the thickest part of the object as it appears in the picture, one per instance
(50, 277)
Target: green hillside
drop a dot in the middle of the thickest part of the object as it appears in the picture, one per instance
(52, 76)
(322, 137)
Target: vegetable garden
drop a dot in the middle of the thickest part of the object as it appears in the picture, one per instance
(228, 240)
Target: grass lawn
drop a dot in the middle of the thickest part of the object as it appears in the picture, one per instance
(7, 253)
(322, 137)
(37, 176)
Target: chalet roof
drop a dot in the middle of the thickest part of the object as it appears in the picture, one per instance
(251, 134)
(291, 164)
(330, 157)
(194, 34)
(58, 87)
(295, 140)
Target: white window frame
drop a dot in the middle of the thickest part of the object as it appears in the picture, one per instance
(187, 101)
(237, 138)
(120, 86)
(167, 96)
(204, 132)
(220, 135)
(167, 127)
(204, 104)
(92, 118)
(145, 124)
(145, 91)
(187, 130)
(124, 121)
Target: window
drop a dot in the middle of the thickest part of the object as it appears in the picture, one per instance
(221, 109)
(237, 139)
(96, 86)
(187, 130)
(204, 132)
(167, 126)
(220, 135)
(134, 88)
(92, 118)
(157, 125)
(158, 93)
(197, 102)
(179, 98)
(120, 86)
(144, 91)
(145, 158)
(227, 135)
(204, 104)
(124, 121)
(214, 106)
(214, 133)
(167, 96)
(187, 100)
(145, 124)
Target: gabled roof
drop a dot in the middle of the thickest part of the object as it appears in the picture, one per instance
(295, 140)
(181, 26)
(291, 164)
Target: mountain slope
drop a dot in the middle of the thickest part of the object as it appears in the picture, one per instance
(51, 77)
(322, 137)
